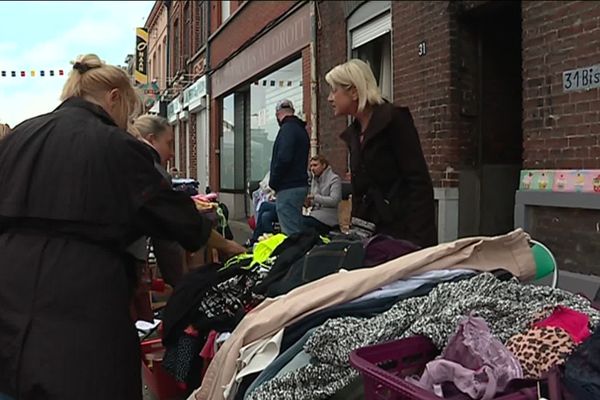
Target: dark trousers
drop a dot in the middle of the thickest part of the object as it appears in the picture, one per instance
(265, 218)
(311, 222)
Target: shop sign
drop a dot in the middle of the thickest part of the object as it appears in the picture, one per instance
(150, 92)
(192, 96)
(173, 110)
(288, 37)
(141, 55)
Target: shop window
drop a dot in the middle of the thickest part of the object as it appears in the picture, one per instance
(177, 161)
(285, 83)
(228, 144)
(233, 141)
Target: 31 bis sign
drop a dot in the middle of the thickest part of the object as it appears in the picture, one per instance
(581, 79)
(141, 55)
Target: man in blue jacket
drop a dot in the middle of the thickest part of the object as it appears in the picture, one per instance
(289, 165)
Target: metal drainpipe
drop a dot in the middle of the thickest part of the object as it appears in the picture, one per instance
(314, 138)
(208, 97)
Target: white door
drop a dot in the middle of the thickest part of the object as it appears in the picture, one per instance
(177, 149)
(202, 149)
(188, 167)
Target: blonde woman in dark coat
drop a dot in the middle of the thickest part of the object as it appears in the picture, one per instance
(392, 191)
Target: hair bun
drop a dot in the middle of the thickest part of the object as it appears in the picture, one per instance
(81, 67)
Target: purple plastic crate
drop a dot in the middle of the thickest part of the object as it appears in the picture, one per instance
(384, 366)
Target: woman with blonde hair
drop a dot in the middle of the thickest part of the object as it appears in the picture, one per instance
(76, 190)
(158, 135)
(392, 191)
(4, 130)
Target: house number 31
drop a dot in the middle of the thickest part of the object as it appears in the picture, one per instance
(422, 49)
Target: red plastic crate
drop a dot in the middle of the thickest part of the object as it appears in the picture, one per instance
(161, 384)
(384, 366)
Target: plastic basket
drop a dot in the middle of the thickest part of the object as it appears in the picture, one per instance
(162, 385)
(384, 366)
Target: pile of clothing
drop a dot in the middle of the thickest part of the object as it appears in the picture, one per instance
(477, 363)
(471, 319)
(212, 300)
(281, 323)
(270, 353)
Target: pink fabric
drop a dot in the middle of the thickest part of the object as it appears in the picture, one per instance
(208, 351)
(576, 324)
(480, 384)
(190, 330)
(474, 360)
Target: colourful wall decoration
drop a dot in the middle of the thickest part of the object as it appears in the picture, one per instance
(584, 181)
(537, 180)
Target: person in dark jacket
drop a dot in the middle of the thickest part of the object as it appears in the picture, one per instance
(392, 192)
(75, 191)
(158, 135)
(289, 168)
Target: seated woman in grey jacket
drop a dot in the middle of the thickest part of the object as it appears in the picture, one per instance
(324, 198)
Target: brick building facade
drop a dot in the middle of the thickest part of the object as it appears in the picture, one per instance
(187, 43)
(483, 80)
(561, 129)
(156, 24)
(258, 55)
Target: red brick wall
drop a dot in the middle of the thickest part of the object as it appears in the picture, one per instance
(235, 4)
(331, 50)
(561, 130)
(215, 16)
(250, 20)
(306, 85)
(424, 84)
(176, 13)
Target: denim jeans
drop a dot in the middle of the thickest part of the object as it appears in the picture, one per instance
(289, 209)
(5, 397)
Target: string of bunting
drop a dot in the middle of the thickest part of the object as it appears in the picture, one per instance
(272, 83)
(32, 73)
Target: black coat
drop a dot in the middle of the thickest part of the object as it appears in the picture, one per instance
(75, 192)
(391, 186)
(169, 254)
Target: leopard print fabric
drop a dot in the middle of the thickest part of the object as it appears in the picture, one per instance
(540, 349)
